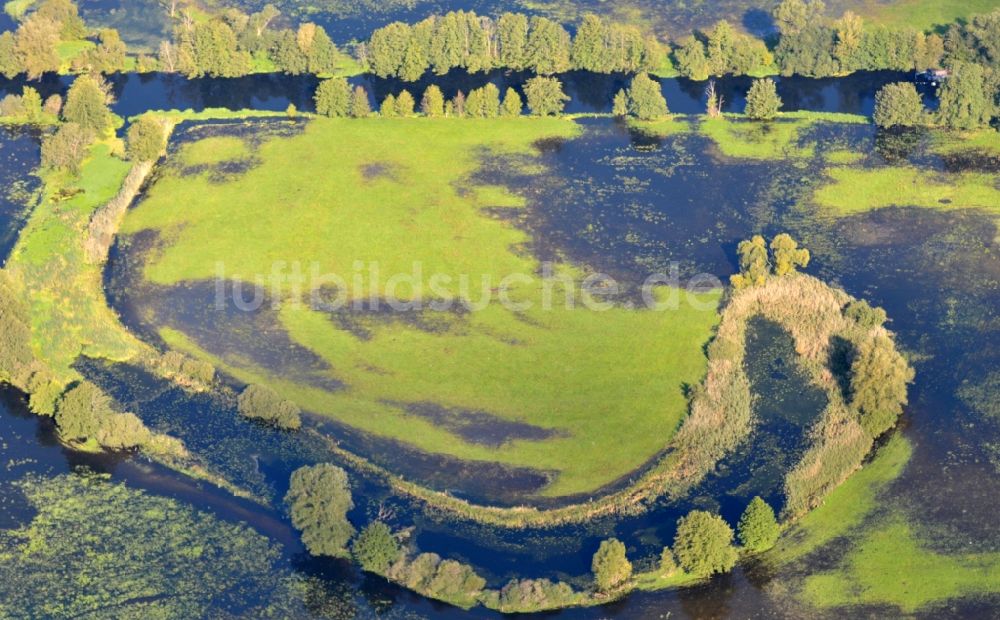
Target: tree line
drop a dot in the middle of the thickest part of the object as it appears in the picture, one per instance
(465, 40)
(34, 48)
(319, 500)
(236, 43)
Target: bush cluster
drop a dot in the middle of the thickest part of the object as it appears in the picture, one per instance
(262, 403)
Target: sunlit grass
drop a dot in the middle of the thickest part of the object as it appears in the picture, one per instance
(923, 14)
(855, 190)
(69, 315)
(847, 506)
(608, 384)
(890, 565)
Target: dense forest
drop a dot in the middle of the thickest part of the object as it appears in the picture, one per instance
(233, 43)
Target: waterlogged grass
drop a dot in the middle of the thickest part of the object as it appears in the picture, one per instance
(986, 140)
(778, 139)
(889, 565)
(68, 314)
(855, 190)
(607, 385)
(843, 157)
(847, 506)
(670, 126)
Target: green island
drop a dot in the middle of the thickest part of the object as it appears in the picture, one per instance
(389, 288)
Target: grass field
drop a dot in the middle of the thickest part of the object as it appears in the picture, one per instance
(922, 14)
(854, 190)
(68, 316)
(607, 385)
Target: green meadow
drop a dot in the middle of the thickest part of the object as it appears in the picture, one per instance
(606, 387)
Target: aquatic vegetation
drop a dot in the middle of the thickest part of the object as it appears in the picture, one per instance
(131, 552)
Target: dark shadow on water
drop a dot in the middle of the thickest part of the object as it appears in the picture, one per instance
(478, 427)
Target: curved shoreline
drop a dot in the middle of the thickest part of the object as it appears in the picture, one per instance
(714, 427)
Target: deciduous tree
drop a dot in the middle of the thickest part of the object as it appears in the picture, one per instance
(405, 103)
(319, 498)
(966, 100)
(512, 104)
(787, 255)
(704, 544)
(879, 376)
(375, 548)
(645, 99)
(146, 140)
(610, 566)
(545, 96)
(67, 148)
(87, 104)
(898, 104)
(432, 104)
(333, 97)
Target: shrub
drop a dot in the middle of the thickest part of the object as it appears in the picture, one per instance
(763, 101)
(67, 148)
(122, 430)
(376, 549)
(610, 566)
(528, 595)
(80, 411)
(262, 403)
(178, 364)
(446, 580)
(668, 563)
(146, 140)
(898, 104)
(879, 376)
(319, 498)
(865, 315)
(15, 335)
(758, 528)
(704, 544)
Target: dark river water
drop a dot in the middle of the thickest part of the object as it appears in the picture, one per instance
(590, 93)
(937, 273)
